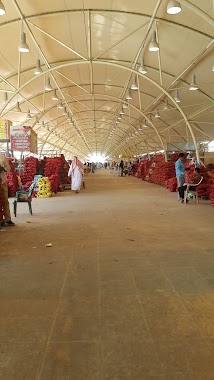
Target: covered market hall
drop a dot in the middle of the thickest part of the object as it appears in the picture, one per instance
(106, 190)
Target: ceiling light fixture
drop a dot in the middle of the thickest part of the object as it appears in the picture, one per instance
(157, 115)
(122, 112)
(60, 105)
(213, 68)
(5, 98)
(48, 86)
(2, 9)
(64, 112)
(166, 106)
(153, 46)
(142, 68)
(173, 7)
(128, 95)
(54, 96)
(134, 86)
(193, 86)
(176, 97)
(38, 69)
(28, 117)
(23, 46)
(17, 108)
(119, 118)
(144, 124)
(43, 123)
(125, 106)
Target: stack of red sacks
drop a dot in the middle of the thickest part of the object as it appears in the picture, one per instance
(30, 170)
(211, 195)
(138, 171)
(1, 203)
(145, 166)
(12, 179)
(161, 172)
(171, 184)
(59, 167)
(55, 183)
(158, 158)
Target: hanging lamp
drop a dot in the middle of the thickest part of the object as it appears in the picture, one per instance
(166, 106)
(176, 97)
(48, 86)
(23, 46)
(60, 105)
(54, 96)
(38, 69)
(28, 117)
(134, 86)
(5, 98)
(157, 115)
(213, 68)
(173, 7)
(2, 9)
(128, 95)
(153, 46)
(17, 108)
(125, 106)
(142, 68)
(193, 85)
(64, 112)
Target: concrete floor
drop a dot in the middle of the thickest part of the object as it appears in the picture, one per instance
(125, 292)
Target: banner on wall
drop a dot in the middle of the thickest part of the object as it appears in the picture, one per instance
(5, 126)
(23, 138)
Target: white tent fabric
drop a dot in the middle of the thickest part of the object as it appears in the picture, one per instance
(91, 51)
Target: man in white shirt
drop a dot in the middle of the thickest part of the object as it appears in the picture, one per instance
(5, 167)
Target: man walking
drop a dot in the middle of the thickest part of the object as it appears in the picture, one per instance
(5, 167)
(180, 171)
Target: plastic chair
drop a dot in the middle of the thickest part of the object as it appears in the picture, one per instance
(24, 196)
(192, 191)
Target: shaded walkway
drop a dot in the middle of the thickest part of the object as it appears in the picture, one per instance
(125, 292)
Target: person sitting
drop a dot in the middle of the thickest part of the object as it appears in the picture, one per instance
(125, 170)
(194, 180)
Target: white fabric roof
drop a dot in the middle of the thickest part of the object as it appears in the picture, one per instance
(90, 50)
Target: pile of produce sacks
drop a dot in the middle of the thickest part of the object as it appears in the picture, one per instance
(159, 172)
(211, 195)
(12, 179)
(44, 188)
(1, 203)
(30, 169)
(171, 184)
(59, 167)
(55, 183)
